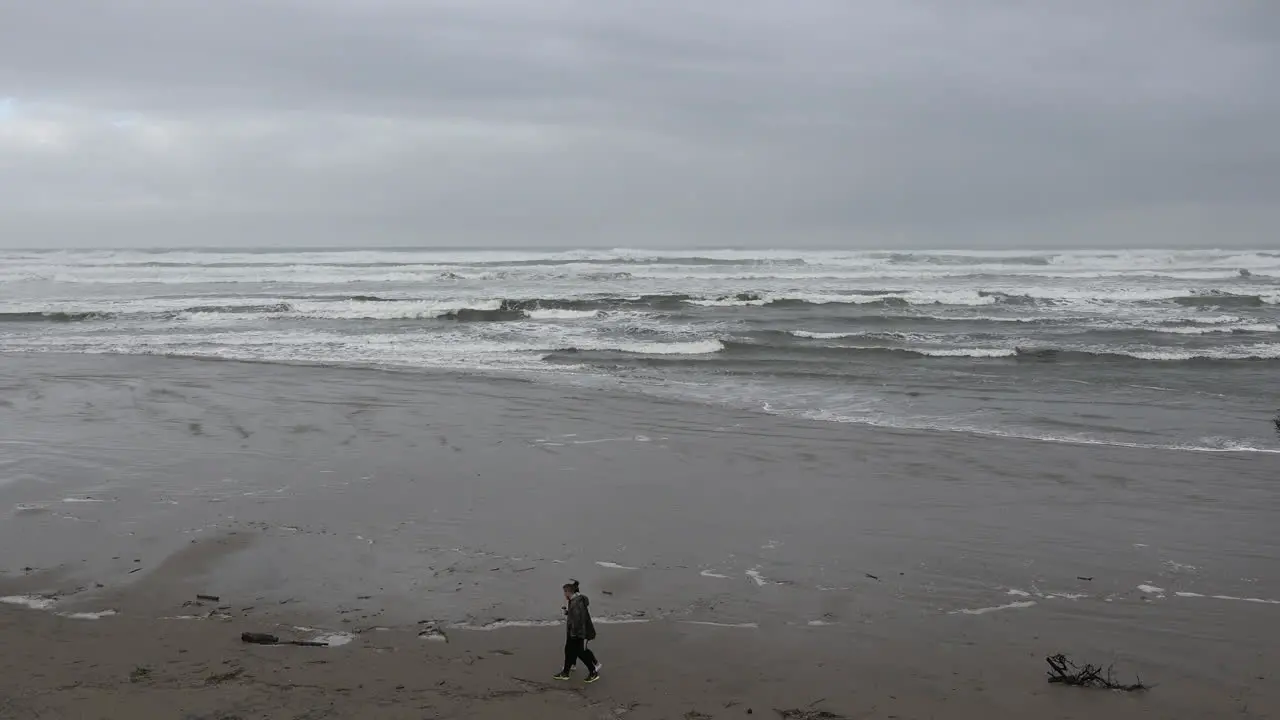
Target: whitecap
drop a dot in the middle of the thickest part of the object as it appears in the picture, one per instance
(35, 602)
(824, 335)
(88, 615)
(985, 610)
(614, 566)
(1261, 601)
(554, 314)
(622, 620)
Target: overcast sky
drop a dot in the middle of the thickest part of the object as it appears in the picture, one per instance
(853, 123)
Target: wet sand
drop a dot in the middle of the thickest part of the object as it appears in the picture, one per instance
(133, 665)
(737, 560)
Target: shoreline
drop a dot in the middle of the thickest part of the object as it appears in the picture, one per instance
(616, 388)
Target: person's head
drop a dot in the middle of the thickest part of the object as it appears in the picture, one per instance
(570, 588)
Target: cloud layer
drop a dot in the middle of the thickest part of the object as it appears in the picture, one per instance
(577, 122)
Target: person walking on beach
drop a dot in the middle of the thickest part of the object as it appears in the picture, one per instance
(578, 632)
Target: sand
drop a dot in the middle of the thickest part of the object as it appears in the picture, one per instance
(735, 561)
(126, 666)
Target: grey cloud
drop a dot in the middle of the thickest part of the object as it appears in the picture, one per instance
(573, 122)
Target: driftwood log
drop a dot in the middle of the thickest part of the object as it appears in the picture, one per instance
(265, 639)
(1065, 672)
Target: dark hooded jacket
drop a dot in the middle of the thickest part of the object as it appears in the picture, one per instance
(578, 618)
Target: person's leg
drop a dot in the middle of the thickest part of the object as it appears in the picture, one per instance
(589, 658)
(572, 649)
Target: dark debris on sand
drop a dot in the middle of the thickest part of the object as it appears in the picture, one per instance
(1065, 672)
(808, 715)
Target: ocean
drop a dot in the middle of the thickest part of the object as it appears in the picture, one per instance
(1160, 349)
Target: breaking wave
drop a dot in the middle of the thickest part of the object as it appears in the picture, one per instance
(988, 334)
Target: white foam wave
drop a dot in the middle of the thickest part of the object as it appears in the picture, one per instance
(622, 620)
(740, 626)
(1233, 446)
(386, 310)
(697, 347)
(913, 297)
(996, 608)
(554, 314)
(1256, 351)
(786, 268)
(35, 602)
(614, 566)
(966, 352)
(944, 352)
(1262, 601)
(1241, 328)
(709, 574)
(88, 615)
(824, 335)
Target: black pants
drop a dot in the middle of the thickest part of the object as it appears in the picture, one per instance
(575, 648)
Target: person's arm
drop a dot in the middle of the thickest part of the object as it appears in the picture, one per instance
(577, 613)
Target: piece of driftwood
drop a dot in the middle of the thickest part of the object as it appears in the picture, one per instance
(209, 598)
(266, 639)
(796, 714)
(1065, 672)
